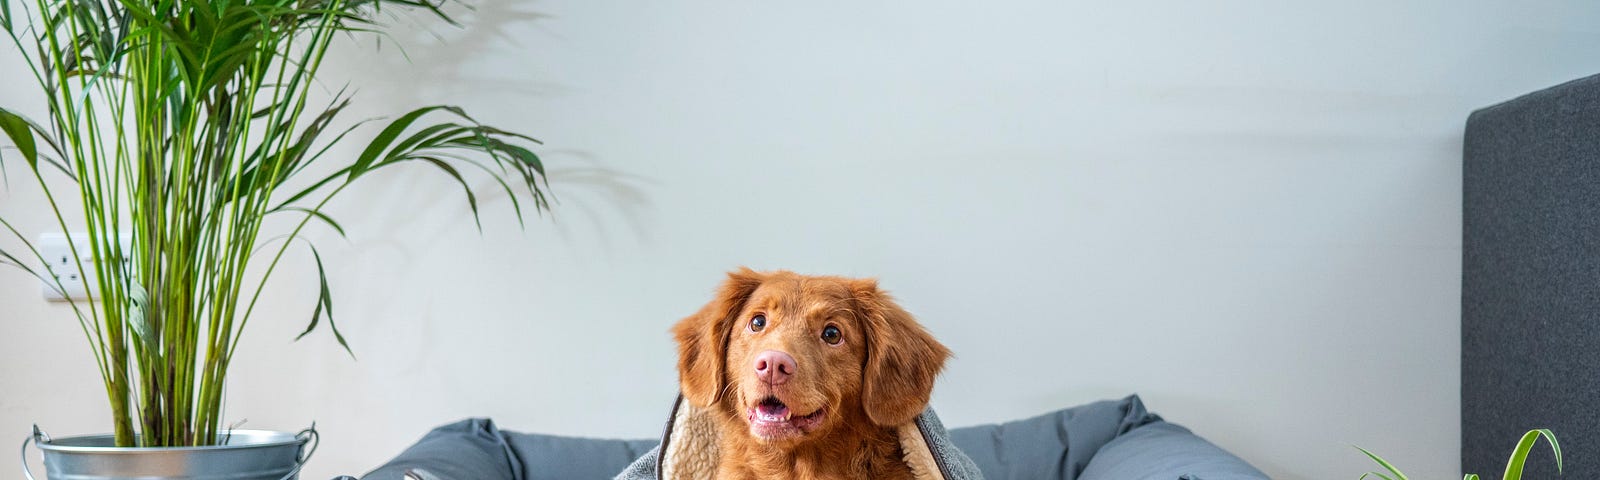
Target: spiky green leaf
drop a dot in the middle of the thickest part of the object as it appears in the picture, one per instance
(386, 138)
(324, 303)
(16, 128)
(319, 215)
(1385, 464)
(1519, 455)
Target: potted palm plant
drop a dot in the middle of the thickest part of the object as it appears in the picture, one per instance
(182, 126)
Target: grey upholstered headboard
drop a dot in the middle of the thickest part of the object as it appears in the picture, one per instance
(1530, 280)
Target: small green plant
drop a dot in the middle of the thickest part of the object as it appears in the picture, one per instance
(1519, 456)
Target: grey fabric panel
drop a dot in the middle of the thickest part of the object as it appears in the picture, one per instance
(475, 450)
(1056, 445)
(955, 464)
(1163, 451)
(642, 469)
(550, 457)
(471, 449)
(1530, 291)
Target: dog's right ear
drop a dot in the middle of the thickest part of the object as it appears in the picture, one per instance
(703, 338)
(902, 358)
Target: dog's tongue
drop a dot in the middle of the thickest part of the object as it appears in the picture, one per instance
(772, 412)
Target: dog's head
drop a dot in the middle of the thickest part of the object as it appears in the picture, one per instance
(796, 356)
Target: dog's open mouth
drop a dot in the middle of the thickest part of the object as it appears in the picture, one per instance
(771, 419)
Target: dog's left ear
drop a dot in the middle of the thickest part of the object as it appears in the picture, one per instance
(902, 358)
(703, 338)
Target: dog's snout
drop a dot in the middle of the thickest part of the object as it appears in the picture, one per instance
(774, 367)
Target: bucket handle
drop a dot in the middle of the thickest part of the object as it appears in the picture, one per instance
(310, 437)
(36, 438)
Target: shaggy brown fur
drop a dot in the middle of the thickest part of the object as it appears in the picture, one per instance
(847, 398)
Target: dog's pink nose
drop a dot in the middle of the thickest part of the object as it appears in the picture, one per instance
(774, 367)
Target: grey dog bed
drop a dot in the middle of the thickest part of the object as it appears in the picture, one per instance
(1107, 440)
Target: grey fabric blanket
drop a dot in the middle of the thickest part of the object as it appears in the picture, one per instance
(689, 442)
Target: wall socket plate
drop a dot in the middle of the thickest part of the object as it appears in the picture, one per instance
(62, 262)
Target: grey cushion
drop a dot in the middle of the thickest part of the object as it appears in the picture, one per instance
(1165, 451)
(1056, 445)
(1108, 440)
(469, 449)
(558, 458)
(474, 449)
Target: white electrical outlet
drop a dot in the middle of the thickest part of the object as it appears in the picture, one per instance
(62, 263)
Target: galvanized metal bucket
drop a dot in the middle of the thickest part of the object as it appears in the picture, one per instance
(243, 455)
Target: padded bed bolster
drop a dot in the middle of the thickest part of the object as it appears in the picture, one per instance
(469, 449)
(474, 449)
(1164, 451)
(1108, 440)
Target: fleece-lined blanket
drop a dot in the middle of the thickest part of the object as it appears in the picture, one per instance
(688, 450)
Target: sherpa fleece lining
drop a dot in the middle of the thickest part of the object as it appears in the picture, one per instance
(691, 447)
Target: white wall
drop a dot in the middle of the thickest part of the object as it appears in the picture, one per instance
(1247, 212)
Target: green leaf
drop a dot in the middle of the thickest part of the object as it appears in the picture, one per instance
(318, 215)
(13, 261)
(516, 205)
(269, 170)
(387, 137)
(324, 302)
(21, 135)
(1519, 456)
(423, 137)
(472, 198)
(526, 156)
(49, 280)
(313, 188)
(12, 121)
(138, 300)
(1385, 464)
(1470, 476)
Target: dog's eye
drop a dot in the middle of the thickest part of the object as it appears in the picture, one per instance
(831, 335)
(758, 322)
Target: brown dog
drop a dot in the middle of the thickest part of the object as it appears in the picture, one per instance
(806, 377)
